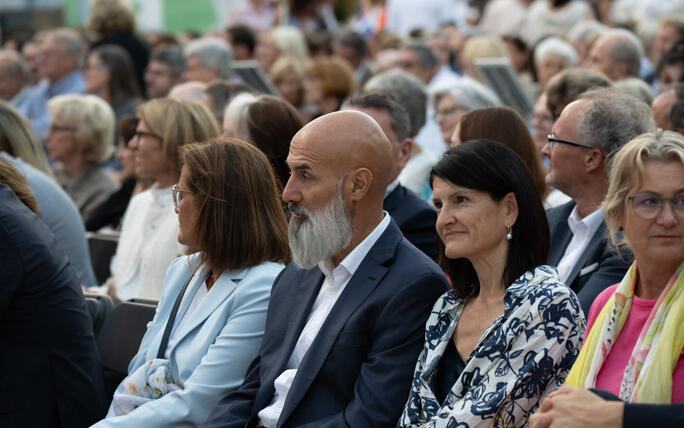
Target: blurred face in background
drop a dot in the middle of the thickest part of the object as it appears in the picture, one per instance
(158, 79)
(96, 74)
(60, 141)
(55, 61)
(448, 111)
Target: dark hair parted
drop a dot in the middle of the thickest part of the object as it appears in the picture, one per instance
(511, 131)
(271, 122)
(491, 167)
(122, 81)
(240, 220)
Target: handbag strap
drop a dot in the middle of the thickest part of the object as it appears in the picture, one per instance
(172, 318)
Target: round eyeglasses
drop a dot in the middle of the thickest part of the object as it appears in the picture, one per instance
(177, 195)
(649, 205)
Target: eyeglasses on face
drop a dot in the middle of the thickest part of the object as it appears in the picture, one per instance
(448, 111)
(551, 139)
(139, 134)
(177, 195)
(649, 205)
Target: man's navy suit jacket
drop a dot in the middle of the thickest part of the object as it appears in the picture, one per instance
(415, 217)
(358, 370)
(598, 267)
(50, 373)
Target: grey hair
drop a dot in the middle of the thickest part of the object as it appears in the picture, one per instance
(611, 119)
(627, 47)
(93, 119)
(407, 89)
(635, 87)
(15, 66)
(211, 52)
(173, 57)
(468, 92)
(399, 117)
(354, 40)
(71, 41)
(426, 56)
(235, 114)
(584, 31)
(557, 46)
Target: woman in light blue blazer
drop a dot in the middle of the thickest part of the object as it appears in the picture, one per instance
(212, 312)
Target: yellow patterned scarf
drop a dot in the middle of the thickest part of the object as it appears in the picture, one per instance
(648, 375)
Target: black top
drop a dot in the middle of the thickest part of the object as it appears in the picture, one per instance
(451, 365)
(110, 212)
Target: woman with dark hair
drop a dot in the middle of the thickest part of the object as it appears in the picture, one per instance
(507, 333)
(511, 131)
(229, 211)
(110, 75)
(270, 124)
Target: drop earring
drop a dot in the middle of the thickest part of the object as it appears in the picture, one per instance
(509, 234)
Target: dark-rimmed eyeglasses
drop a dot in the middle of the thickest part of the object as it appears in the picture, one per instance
(177, 195)
(551, 139)
(649, 205)
(139, 134)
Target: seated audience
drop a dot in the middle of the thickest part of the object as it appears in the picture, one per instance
(671, 67)
(109, 213)
(21, 147)
(149, 227)
(164, 71)
(344, 324)
(415, 217)
(507, 333)
(585, 136)
(49, 364)
(287, 75)
(568, 85)
(15, 88)
(218, 93)
(229, 211)
(512, 132)
(207, 59)
(633, 345)
(617, 53)
(281, 42)
(79, 139)
(551, 56)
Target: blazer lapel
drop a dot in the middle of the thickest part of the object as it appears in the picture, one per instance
(366, 278)
(594, 244)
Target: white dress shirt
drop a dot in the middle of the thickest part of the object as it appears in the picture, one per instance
(583, 229)
(336, 279)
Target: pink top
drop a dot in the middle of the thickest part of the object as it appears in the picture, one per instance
(609, 376)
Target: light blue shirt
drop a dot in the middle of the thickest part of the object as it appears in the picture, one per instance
(61, 216)
(36, 105)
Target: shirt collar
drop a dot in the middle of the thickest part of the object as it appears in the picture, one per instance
(351, 263)
(591, 221)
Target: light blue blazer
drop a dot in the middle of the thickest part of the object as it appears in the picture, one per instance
(213, 349)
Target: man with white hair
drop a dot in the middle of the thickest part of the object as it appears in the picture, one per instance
(61, 59)
(345, 323)
(14, 86)
(207, 59)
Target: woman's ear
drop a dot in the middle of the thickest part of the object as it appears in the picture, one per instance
(510, 206)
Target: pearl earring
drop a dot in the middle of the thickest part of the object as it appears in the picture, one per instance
(509, 234)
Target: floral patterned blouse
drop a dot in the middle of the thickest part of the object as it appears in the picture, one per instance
(522, 357)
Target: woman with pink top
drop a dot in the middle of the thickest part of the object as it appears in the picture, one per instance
(633, 345)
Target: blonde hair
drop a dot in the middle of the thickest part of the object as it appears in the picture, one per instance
(109, 17)
(627, 172)
(178, 122)
(18, 139)
(93, 119)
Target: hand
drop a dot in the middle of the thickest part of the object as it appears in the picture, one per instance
(571, 407)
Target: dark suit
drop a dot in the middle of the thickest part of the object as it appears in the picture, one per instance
(597, 268)
(49, 366)
(358, 370)
(415, 217)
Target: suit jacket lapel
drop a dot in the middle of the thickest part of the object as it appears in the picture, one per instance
(366, 278)
(392, 200)
(594, 244)
(560, 235)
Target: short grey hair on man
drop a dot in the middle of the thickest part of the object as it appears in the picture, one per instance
(468, 92)
(426, 56)
(15, 65)
(611, 119)
(384, 101)
(627, 48)
(407, 89)
(71, 41)
(635, 87)
(354, 40)
(211, 52)
(558, 46)
(173, 57)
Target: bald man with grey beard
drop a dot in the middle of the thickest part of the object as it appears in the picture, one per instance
(345, 320)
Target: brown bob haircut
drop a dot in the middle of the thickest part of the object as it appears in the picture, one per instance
(271, 124)
(17, 182)
(335, 73)
(511, 131)
(240, 220)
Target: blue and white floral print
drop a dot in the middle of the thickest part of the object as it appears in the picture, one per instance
(522, 357)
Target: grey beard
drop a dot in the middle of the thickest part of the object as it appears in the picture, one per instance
(322, 234)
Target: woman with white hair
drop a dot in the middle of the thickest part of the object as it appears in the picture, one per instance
(282, 41)
(551, 56)
(80, 138)
(451, 101)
